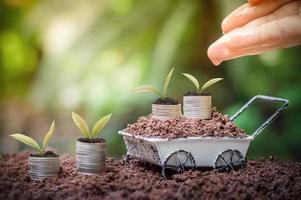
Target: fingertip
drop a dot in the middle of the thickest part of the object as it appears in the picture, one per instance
(225, 26)
(210, 54)
(219, 49)
(214, 55)
(216, 63)
(235, 19)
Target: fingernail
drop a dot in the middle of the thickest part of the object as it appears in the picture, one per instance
(225, 25)
(216, 63)
(218, 52)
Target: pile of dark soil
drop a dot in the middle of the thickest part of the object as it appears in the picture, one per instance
(94, 140)
(166, 101)
(196, 94)
(218, 126)
(46, 154)
(262, 179)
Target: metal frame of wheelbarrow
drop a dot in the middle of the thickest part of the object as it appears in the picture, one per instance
(271, 118)
(241, 162)
(185, 156)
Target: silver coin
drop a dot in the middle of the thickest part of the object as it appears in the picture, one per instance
(165, 112)
(90, 157)
(198, 107)
(43, 167)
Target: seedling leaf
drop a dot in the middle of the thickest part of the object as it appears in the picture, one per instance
(27, 140)
(48, 136)
(193, 80)
(81, 124)
(167, 80)
(209, 83)
(147, 88)
(100, 124)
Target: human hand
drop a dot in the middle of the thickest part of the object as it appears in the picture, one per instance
(256, 27)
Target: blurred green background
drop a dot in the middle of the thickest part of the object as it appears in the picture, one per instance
(86, 55)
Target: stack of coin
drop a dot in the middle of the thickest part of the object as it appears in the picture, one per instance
(90, 157)
(198, 107)
(43, 167)
(164, 112)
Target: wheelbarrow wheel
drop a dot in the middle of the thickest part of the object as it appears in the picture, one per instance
(178, 161)
(230, 159)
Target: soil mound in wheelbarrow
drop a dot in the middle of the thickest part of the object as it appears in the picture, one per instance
(218, 126)
(261, 179)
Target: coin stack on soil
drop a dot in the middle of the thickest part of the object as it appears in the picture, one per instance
(90, 157)
(165, 112)
(198, 107)
(43, 167)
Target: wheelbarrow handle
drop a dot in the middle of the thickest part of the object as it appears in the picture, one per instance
(271, 118)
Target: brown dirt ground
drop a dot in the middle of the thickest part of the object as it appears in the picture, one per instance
(261, 179)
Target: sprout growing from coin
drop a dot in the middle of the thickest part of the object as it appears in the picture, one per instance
(33, 143)
(163, 99)
(90, 150)
(197, 104)
(83, 126)
(164, 107)
(44, 164)
(197, 84)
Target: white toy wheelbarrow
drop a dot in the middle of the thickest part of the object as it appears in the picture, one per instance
(179, 154)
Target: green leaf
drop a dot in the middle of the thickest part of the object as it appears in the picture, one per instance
(209, 83)
(100, 124)
(48, 136)
(27, 140)
(167, 80)
(193, 80)
(81, 125)
(147, 88)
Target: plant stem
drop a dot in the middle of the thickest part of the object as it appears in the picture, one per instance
(160, 95)
(41, 151)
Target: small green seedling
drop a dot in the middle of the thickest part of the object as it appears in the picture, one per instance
(31, 142)
(149, 88)
(84, 129)
(197, 85)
